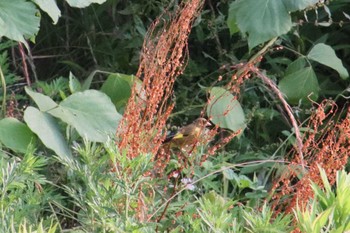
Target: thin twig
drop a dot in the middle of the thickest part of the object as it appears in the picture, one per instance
(25, 67)
(32, 65)
(251, 66)
(279, 94)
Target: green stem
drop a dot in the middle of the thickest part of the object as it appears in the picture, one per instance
(263, 50)
(3, 82)
(225, 181)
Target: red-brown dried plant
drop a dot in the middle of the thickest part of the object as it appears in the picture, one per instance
(326, 144)
(163, 59)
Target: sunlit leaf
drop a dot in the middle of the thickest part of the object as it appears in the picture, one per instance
(47, 129)
(259, 20)
(74, 84)
(325, 55)
(44, 102)
(225, 111)
(50, 7)
(91, 113)
(83, 3)
(18, 19)
(292, 5)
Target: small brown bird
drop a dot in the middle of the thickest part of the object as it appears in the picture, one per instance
(188, 134)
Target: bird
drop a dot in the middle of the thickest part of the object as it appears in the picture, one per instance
(187, 135)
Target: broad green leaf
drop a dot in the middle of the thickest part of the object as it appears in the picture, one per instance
(118, 88)
(299, 85)
(259, 20)
(15, 134)
(243, 182)
(325, 55)
(18, 19)
(47, 129)
(225, 111)
(50, 7)
(83, 3)
(295, 66)
(91, 113)
(44, 102)
(292, 5)
(74, 84)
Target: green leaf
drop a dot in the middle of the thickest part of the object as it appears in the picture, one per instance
(118, 88)
(293, 5)
(91, 113)
(231, 24)
(83, 3)
(225, 111)
(47, 129)
(87, 82)
(74, 84)
(325, 55)
(44, 102)
(15, 134)
(229, 174)
(260, 20)
(243, 182)
(299, 85)
(18, 19)
(50, 7)
(322, 219)
(295, 66)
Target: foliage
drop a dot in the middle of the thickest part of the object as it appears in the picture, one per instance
(108, 200)
(15, 135)
(13, 12)
(76, 110)
(329, 209)
(265, 222)
(262, 71)
(23, 198)
(325, 145)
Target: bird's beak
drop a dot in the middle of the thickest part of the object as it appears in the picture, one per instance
(208, 124)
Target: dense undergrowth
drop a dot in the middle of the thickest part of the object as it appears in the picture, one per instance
(87, 107)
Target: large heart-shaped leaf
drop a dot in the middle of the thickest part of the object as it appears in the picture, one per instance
(225, 111)
(50, 7)
(18, 19)
(15, 134)
(300, 85)
(263, 20)
(47, 129)
(83, 3)
(44, 102)
(260, 20)
(91, 113)
(296, 65)
(325, 55)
